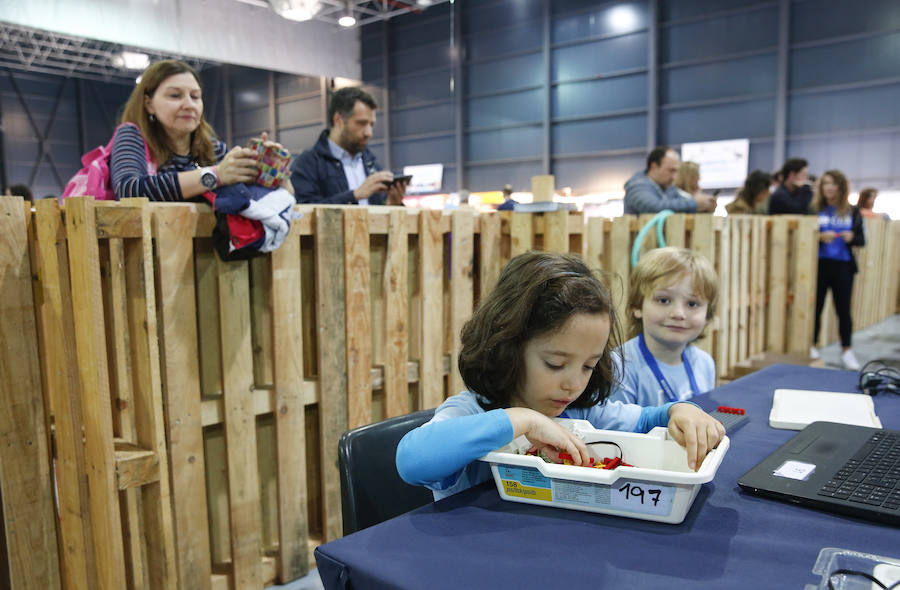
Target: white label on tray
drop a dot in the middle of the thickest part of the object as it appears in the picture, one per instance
(641, 496)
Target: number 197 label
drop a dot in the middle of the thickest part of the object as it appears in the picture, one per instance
(642, 496)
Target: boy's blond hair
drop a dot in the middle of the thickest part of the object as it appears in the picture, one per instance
(666, 266)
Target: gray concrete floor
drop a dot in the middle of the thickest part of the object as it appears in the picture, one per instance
(878, 342)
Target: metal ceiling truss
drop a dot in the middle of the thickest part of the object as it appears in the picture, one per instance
(365, 11)
(34, 50)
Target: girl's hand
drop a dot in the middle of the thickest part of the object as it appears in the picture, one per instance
(695, 430)
(847, 235)
(542, 432)
(826, 237)
(238, 165)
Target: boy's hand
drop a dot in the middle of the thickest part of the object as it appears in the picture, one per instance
(695, 430)
(542, 432)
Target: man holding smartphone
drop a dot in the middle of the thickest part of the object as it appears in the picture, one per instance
(339, 169)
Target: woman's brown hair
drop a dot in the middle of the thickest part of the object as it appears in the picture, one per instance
(535, 294)
(202, 149)
(842, 205)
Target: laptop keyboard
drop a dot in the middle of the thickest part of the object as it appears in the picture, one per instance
(872, 476)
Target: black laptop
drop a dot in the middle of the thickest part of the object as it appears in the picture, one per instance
(842, 468)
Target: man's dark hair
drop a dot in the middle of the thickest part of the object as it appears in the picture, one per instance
(656, 156)
(343, 101)
(20, 190)
(792, 165)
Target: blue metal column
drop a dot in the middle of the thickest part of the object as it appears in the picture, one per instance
(652, 74)
(784, 24)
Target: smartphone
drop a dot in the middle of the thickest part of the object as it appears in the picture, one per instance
(399, 179)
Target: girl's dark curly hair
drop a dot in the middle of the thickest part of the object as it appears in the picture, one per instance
(535, 294)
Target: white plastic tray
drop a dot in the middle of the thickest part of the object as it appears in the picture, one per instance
(795, 409)
(661, 486)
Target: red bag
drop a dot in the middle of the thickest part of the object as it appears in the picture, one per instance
(93, 179)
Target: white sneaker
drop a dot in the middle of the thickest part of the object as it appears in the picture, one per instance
(849, 360)
(814, 353)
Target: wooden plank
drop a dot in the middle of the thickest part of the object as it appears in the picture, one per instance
(804, 256)
(735, 301)
(650, 241)
(357, 293)
(61, 382)
(676, 230)
(595, 238)
(261, 319)
(462, 287)
(290, 428)
(156, 500)
(543, 187)
(708, 240)
(521, 233)
(173, 227)
(489, 254)
(776, 336)
(208, 319)
(93, 375)
(744, 291)
(27, 489)
(240, 423)
(556, 231)
(330, 303)
(431, 277)
(619, 263)
(395, 288)
(135, 466)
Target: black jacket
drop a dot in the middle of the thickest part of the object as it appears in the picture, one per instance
(318, 177)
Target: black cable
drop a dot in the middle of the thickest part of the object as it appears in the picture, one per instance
(878, 377)
(869, 577)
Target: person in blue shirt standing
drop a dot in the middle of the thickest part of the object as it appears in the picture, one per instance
(840, 227)
(654, 189)
(672, 295)
(537, 348)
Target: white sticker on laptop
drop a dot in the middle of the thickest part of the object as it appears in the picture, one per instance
(795, 470)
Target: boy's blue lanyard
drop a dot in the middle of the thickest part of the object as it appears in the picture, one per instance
(651, 362)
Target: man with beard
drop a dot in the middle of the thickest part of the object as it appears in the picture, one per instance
(339, 169)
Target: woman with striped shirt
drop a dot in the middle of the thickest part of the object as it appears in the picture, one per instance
(165, 110)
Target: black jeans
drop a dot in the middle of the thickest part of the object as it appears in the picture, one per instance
(836, 275)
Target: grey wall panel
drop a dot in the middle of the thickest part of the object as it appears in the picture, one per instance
(492, 178)
(288, 85)
(728, 121)
(761, 154)
(595, 21)
(598, 174)
(372, 68)
(845, 110)
(518, 142)
(599, 96)
(299, 138)
(403, 62)
(732, 33)
(420, 88)
(524, 37)
(378, 150)
(427, 32)
(601, 134)
(297, 111)
(866, 157)
(422, 120)
(505, 109)
(600, 57)
(483, 17)
(679, 9)
(251, 120)
(509, 74)
(422, 151)
(744, 76)
(821, 19)
(370, 40)
(852, 61)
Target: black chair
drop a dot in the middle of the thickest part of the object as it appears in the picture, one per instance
(371, 488)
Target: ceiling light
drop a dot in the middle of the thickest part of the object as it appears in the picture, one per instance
(296, 10)
(348, 20)
(131, 60)
(424, 2)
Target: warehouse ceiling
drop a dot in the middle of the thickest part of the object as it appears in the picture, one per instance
(361, 12)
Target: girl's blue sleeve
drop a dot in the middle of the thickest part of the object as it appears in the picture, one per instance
(435, 453)
(653, 416)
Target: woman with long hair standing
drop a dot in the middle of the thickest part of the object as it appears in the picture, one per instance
(840, 227)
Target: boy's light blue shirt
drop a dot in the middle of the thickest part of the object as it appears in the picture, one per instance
(639, 385)
(443, 453)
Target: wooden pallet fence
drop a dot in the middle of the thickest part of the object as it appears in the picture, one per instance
(195, 405)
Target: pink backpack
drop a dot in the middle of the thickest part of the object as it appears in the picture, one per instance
(93, 179)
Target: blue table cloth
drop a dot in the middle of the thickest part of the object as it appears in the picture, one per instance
(730, 539)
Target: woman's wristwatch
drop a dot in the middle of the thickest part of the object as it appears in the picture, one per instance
(209, 178)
